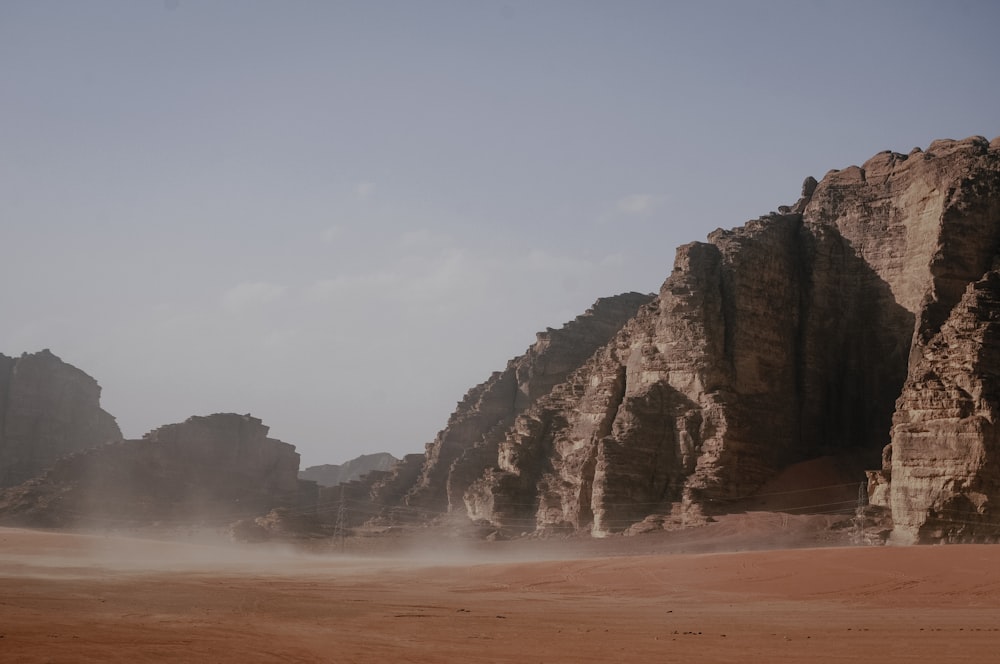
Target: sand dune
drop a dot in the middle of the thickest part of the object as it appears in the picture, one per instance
(80, 598)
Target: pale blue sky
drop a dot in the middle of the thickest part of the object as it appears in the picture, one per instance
(339, 216)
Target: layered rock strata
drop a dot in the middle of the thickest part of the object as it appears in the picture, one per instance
(704, 396)
(47, 409)
(939, 477)
(943, 467)
(468, 444)
(205, 469)
(786, 339)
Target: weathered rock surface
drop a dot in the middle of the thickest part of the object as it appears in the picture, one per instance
(784, 340)
(467, 445)
(354, 469)
(752, 358)
(945, 454)
(47, 409)
(205, 469)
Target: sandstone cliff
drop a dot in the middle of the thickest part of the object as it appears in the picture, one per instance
(943, 467)
(859, 323)
(47, 409)
(786, 339)
(214, 468)
(457, 455)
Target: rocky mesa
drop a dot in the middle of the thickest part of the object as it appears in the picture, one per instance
(332, 474)
(213, 469)
(47, 409)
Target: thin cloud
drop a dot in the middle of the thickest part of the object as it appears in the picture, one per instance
(351, 285)
(423, 239)
(640, 205)
(616, 259)
(539, 260)
(251, 294)
(329, 235)
(364, 190)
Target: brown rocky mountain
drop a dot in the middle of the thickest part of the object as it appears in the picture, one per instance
(206, 469)
(333, 474)
(47, 409)
(862, 315)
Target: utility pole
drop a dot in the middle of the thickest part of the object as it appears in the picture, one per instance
(859, 514)
(339, 534)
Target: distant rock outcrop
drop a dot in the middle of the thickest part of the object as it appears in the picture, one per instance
(334, 474)
(205, 469)
(47, 409)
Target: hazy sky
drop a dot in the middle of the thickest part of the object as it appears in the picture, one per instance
(339, 216)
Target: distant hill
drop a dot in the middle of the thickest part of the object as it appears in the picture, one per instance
(332, 474)
(214, 468)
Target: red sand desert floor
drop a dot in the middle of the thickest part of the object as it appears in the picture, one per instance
(83, 598)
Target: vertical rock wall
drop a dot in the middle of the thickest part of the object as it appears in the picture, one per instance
(467, 445)
(47, 409)
(945, 454)
(941, 468)
(230, 458)
(783, 340)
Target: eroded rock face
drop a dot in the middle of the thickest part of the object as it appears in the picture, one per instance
(783, 340)
(47, 409)
(708, 392)
(856, 324)
(467, 445)
(213, 468)
(945, 466)
(936, 474)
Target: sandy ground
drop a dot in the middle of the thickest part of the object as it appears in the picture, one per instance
(84, 598)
